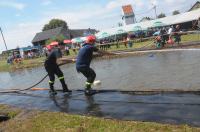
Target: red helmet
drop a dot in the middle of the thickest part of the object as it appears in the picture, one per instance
(90, 39)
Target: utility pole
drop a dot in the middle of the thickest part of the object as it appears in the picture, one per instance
(3, 39)
(154, 7)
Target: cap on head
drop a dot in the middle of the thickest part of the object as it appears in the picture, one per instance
(90, 39)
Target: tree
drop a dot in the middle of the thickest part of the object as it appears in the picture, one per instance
(161, 15)
(54, 23)
(176, 12)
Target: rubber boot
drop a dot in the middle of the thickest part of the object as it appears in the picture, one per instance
(88, 89)
(52, 91)
(64, 86)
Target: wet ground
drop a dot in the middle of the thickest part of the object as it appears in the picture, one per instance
(154, 71)
(163, 108)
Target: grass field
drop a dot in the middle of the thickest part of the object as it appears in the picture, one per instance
(43, 121)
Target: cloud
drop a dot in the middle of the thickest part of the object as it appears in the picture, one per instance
(17, 15)
(153, 2)
(46, 2)
(20, 35)
(18, 6)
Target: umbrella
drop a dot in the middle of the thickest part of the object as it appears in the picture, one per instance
(84, 38)
(103, 35)
(156, 33)
(77, 40)
(54, 43)
(158, 24)
(67, 41)
(120, 31)
(137, 28)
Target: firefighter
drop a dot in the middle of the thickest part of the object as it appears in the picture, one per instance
(177, 34)
(84, 59)
(53, 69)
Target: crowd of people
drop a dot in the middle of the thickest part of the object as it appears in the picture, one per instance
(162, 35)
(166, 36)
(16, 58)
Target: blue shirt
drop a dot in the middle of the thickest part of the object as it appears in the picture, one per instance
(85, 54)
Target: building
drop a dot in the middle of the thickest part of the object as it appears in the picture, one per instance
(128, 15)
(195, 6)
(42, 37)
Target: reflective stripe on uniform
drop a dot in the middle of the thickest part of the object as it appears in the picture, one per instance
(51, 82)
(61, 78)
(87, 83)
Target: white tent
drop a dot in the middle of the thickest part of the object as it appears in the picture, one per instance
(169, 20)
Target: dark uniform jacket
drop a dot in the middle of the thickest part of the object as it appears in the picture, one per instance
(52, 57)
(84, 57)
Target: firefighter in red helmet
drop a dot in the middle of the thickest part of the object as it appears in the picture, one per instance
(84, 59)
(53, 69)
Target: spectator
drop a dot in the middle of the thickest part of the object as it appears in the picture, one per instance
(101, 44)
(74, 48)
(29, 55)
(10, 60)
(125, 42)
(130, 43)
(177, 35)
(163, 36)
(170, 30)
(45, 51)
(117, 43)
(158, 42)
(67, 50)
(196, 24)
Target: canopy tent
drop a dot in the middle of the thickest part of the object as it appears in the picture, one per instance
(102, 35)
(83, 38)
(54, 43)
(158, 24)
(48, 47)
(137, 28)
(67, 41)
(166, 21)
(120, 31)
(77, 40)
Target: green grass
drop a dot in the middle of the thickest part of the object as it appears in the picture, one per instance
(10, 112)
(190, 37)
(25, 64)
(150, 43)
(61, 122)
(135, 45)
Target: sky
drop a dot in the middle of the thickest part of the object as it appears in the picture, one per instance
(20, 20)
